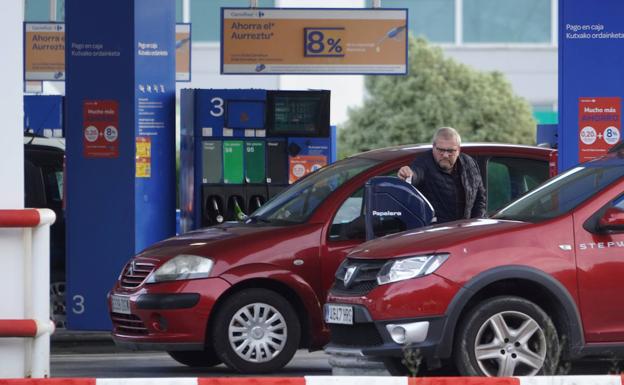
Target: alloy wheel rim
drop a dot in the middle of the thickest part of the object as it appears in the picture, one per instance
(510, 343)
(257, 332)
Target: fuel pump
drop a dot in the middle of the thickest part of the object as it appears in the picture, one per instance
(239, 148)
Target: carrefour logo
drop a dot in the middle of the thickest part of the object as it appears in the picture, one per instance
(387, 213)
(258, 14)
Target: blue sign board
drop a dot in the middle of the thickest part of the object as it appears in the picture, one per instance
(591, 85)
(120, 98)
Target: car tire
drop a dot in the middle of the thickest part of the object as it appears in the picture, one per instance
(243, 338)
(506, 336)
(196, 358)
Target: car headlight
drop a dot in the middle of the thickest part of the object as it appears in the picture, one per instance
(411, 267)
(182, 267)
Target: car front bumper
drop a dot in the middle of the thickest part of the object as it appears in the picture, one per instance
(374, 341)
(166, 316)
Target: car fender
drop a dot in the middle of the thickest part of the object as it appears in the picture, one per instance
(548, 282)
(239, 276)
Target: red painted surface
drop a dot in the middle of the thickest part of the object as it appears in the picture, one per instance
(264, 255)
(568, 248)
(19, 218)
(18, 328)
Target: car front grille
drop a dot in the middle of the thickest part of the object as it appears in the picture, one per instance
(352, 335)
(128, 324)
(363, 277)
(135, 271)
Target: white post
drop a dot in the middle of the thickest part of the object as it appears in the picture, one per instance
(12, 176)
(186, 11)
(53, 15)
(40, 276)
(459, 22)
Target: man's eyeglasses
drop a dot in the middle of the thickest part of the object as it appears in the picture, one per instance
(449, 151)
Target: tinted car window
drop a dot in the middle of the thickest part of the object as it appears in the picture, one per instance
(561, 194)
(349, 220)
(299, 201)
(508, 178)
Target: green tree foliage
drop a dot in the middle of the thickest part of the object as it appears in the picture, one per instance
(437, 92)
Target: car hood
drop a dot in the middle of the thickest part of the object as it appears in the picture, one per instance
(431, 239)
(208, 241)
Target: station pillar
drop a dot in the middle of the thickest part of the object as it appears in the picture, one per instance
(120, 129)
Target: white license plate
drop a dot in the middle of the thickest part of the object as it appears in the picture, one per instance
(120, 304)
(338, 314)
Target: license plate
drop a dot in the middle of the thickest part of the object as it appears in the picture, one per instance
(120, 304)
(338, 314)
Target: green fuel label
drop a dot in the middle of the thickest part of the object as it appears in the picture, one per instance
(233, 161)
(255, 161)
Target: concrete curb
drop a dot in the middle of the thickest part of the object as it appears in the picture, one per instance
(63, 335)
(328, 380)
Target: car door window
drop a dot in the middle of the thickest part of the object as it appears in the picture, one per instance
(348, 222)
(508, 178)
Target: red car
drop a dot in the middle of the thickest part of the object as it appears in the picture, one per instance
(249, 294)
(504, 296)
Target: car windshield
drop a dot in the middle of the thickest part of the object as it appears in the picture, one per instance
(561, 194)
(296, 203)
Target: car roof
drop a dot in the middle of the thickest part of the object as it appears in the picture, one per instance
(395, 152)
(42, 141)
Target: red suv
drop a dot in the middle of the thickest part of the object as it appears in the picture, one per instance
(249, 294)
(504, 296)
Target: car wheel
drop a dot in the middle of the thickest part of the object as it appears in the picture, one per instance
(196, 359)
(506, 336)
(256, 331)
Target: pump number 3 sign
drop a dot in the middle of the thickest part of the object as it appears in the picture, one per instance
(100, 128)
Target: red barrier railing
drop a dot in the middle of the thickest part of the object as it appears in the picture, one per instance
(37, 324)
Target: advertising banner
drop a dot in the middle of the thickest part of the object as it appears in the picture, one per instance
(599, 126)
(183, 52)
(44, 51)
(100, 129)
(313, 41)
(302, 165)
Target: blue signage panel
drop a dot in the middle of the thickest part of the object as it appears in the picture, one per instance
(120, 183)
(43, 115)
(591, 85)
(154, 120)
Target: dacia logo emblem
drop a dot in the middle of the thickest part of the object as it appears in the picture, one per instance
(350, 275)
(131, 268)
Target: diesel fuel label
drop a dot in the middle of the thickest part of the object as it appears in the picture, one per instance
(317, 41)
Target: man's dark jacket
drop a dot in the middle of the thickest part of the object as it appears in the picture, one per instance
(429, 179)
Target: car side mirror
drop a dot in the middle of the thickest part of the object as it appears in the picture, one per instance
(612, 220)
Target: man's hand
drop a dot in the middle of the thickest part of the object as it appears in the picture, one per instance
(405, 172)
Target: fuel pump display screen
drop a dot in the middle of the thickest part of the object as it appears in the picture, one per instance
(298, 113)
